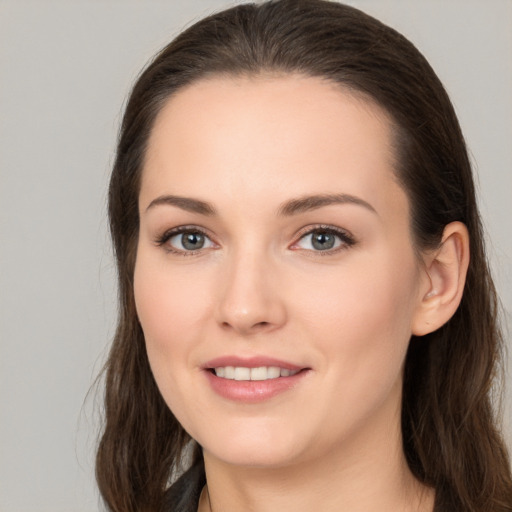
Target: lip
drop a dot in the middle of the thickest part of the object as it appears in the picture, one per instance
(252, 391)
(250, 362)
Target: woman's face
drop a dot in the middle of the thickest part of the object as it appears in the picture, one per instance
(275, 246)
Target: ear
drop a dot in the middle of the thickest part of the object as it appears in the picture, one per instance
(445, 275)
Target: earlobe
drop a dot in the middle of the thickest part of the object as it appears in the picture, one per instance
(446, 269)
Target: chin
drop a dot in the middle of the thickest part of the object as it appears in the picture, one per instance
(254, 457)
(251, 448)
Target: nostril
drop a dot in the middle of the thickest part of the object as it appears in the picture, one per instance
(256, 326)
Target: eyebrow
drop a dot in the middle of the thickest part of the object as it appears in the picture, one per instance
(307, 203)
(185, 203)
(289, 208)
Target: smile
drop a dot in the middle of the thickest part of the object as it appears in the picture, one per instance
(259, 373)
(252, 379)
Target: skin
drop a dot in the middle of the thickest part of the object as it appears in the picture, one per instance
(258, 287)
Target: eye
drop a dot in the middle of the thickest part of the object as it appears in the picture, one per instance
(185, 240)
(326, 239)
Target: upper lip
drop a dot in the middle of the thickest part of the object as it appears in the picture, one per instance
(250, 362)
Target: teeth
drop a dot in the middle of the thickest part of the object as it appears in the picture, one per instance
(273, 372)
(229, 372)
(260, 373)
(242, 373)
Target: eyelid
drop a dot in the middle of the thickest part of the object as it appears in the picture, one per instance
(347, 239)
(162, 239)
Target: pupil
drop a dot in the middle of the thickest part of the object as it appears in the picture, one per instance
(192, 240)
(323, 241)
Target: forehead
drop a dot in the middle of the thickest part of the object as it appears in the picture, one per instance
(272, 135)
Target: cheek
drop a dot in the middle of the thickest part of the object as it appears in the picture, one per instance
(361, 329)
(170, 305)
(362, 319)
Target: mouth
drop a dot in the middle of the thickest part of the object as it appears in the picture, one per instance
(252, 380)
(260, 373)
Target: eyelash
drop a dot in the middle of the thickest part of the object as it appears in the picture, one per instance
(347, 240)
(167, 235)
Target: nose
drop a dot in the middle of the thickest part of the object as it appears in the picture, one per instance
(251, 300)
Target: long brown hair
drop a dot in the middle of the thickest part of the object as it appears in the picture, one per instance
(450, 434)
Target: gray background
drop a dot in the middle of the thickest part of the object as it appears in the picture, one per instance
(66, 67)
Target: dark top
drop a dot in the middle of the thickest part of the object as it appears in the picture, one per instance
(183, 495)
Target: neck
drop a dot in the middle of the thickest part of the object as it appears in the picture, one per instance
(367, 472)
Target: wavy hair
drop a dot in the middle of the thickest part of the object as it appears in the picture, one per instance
(450, 434)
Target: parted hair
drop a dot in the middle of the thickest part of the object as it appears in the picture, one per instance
(451, 434)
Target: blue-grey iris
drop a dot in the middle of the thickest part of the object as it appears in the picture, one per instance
(323, 240)
(192, 241)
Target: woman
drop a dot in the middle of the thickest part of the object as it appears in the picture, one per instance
(307, 318)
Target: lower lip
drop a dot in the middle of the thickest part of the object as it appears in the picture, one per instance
(252, 391)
